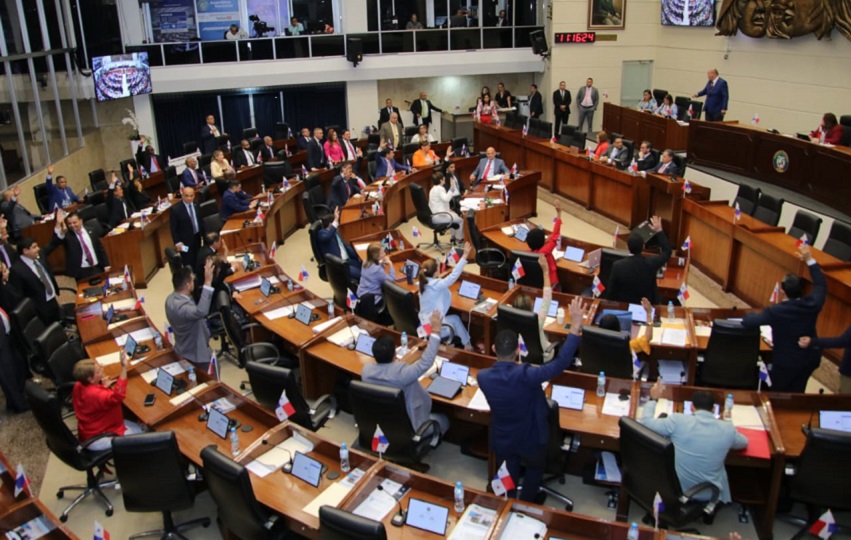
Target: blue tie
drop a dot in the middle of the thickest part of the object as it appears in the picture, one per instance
(191, 209)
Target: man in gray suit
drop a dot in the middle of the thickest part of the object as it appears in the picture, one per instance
(406, 376)
(488, 166)
(617, 154)
(188, 319)
(392, 133)
(586, 101)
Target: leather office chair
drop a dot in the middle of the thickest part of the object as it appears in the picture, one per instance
(97, 180)
(222, 143)
(208, 208)
(374, 404)
(172, 184)
(609, 257)
(204, 160)
(335, 127)
(170, 171)
(648, 467)
(425, 215)
(371, 165)
(557, 458)
(340, 279)
(153, 476)
(61, 364)
(659, 94)
(410, 131)
(86, 212)
(213, 223)
(249, 133)
(768, 209)
(580, 138)
(203, 194)
(267, 383)
(545, 129)
(457, 144)
(315, 204)
(607, 351)
(534, 126)
(408, 152)
(337, 524)
(492, 261)
(174, 260)
(565, 140)
(122, 166)
(696, 109)
(402, 307)
(525, 323)
(682, 103)
(680, 163)
(805, 223)
(534, 276)
(239, 512)
(845, 122)
(190, 147)
(731, 356)
(95, 198)
(373, 138)
(318, 256)
(94, 225)
(568, 129)
(274, 172)
(254, 145)
(64, 444)
(747, 196)
(102, 213)
(41, 198)
(50, 339)
(838, 241)
(521, 121)
(27, 326)
(263, 352)
(282, 130)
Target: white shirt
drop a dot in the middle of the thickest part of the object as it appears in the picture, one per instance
(87, 240)
(248, 156)
(351, 153)
(416, 138)
(438, 198)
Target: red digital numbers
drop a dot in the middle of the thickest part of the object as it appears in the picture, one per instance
(575, 37)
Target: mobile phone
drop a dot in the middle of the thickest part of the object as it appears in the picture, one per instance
(150, 399)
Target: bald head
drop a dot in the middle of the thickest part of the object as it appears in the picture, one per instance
(188, 194)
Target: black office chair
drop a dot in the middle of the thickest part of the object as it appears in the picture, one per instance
(318, 256)
(261, 351)
(97, 179)
(731, 356)
(805, 223)
(204, 160)
(682, 103)
(282, 130)
(545, 129)
(680, 163)
(425, 215)
(607, 351)
(647, 468)
(659, 95)
(274, 172)
(629, 145)
(315, 204)
(86, 212)
(249, 133)
(50, 339)
(61, 364)
(213, 223)
(845, 122)
(102, 213)
(174, 261)
(154, 478)
(371, 166)
(122, 166)
(696, 109)
(569, 130)
(337, 524)
(410, 131)
(268, 382)
(747, 196)
(608, 257)
(565, 140)
(239, 512)
(190, 147)
(172, 184)
(408, 151)
(533, 277)
(838, 241)
(525, 323)
(768, 209)
(557, 457)
(222, 143)
(208, 208)
(335, 127)
(203, 194)
(95, 226)
(402, 307)
(41, 198)
(492, 261)
(457, 144)
(375, 404)
(47, 411)
(27, 326)
(821, 479)
(340, 279)
(580, 139)
(95, 198)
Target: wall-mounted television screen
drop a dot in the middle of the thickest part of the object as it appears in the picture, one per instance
(688, 12)
(121, 75)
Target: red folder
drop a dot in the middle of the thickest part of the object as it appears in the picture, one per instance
(757, 443)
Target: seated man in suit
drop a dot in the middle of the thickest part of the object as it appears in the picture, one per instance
(645, 160)
(617, 154)
(192, 176)
(634, 277)
(488, 166)
(84, 254)
(17, 216)
(267, 150)
(216, 250)
(32, 278)
(119, 207)
(392, 132)
(243, 157)
(58, 195)
(304, 138)
(186, 227)
(234, 200)
(386, 165)
(315, 152)
(344, 186)
(331, 243)
(188, 319)
(147, 158)
(406, 376)
(666, 164)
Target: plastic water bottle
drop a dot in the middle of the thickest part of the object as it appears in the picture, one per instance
(459, 497)
(670, 310)
(510, 283)
(728, 408)
(633, 532)
(401, 244)
(234, 442)
(193, 378)
(158, 341)
(344, 458)
(330, 310)
(558, 243)
(289, 284)
(404, 341)
(601, 384)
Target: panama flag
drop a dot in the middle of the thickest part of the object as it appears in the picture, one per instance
(514, 169)
(415, 232)
(289, 133)
(273, 250)
(379, 441)
(453, 256)
(683, 294)
(658, 508)
(464, 150)
(361, 183)
(304, 171)
(126, 274)
(605, 95)
(286, 184)
(351, 300)
(213, 368)
(825, 526)
(260, 157)
(21, 480)
(518, 271)
(687, 244)
(738, 213)
(284, 409)
(169, 333)
(636, 365)
(502, 482)
(634, 166)
(763, 372)
(755, 119)
(775, 294)
(302, 275)
(100, 532)
(597, 287)
(615, 239)
(690, 111)
(521, 346)
(686, 186)
(802, 241)
(424, 330)
(139, 302)
(525, 129)
(553, 140)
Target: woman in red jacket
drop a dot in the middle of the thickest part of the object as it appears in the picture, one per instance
(828, 132)
(535, 240)
(602, 144)
(97, 406)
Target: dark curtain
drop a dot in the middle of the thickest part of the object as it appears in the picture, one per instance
(179, 119)
(237, 116)
(267, 112)
(315, 106)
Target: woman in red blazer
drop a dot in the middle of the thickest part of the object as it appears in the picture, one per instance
(828, 132)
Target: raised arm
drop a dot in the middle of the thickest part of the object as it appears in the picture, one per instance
(539, 374)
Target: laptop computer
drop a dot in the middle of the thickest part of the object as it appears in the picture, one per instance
(593, 259)
(443, 387)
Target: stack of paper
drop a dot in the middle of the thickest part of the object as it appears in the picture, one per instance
(107, 359)
(246, 284)
(119, 305)
(523, 527)
(474, 523)
(470, 203)
(508, 231)
(663, 406)
(765, 332)
(346, 336)
(675, 337)
(145, 334)
(180, 399)
(479, 402)
(223, 405)
(614, 406)
(115, 281)
(319, 328)
(381, 501)
(276, 456)
(335, 493)
(747, 416)
(278, 313)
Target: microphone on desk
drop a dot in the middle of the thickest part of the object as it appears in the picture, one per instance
(806, 428)
(399, 518)
(287, 467)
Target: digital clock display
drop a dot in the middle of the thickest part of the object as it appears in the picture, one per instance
(576, 37)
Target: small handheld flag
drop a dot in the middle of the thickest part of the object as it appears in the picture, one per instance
(415, 231)
(597, 287)
(686, 186)
(658, 508)
(615, 239)
(517, 270)
(100, 532)
(738, 213)
(755, 119)
(169, 333)
(302, 275)
(553, 140)
(525, 130)
(284, 409)
(687, 244)
(21, 480)
(273, 250)
(775, 294)
(303, 171)
(126, 274)
(379, 441)
(502, 483)
(453, 256)
(690, 111)
(351, 300)
(764, 376)
(424, 330)
(683, 294)
(605, 95)
(521, 347)
(514, 169)
(464, 150)
(636, 365)
(213, 368)
(825, 526)
(802, 241)
(139, 302)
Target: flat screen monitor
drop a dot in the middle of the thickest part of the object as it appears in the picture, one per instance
(121, 75)
(688, 12)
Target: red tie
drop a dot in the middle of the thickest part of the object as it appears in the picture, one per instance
(5, 320)
(487, 170)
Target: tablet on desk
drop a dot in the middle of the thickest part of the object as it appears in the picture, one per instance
(552, 312)
(568, 397)
(427, 516)
(470, 290)
(130, 346)
(443, 387)
(164, 381)
(265, 286)
(593, 259)
(836, 420)
(574, 254)
(110, 313)
(307, 469)
(364, 344)
(303, 314)
(521, 233)
(455, 372)
(217, 422)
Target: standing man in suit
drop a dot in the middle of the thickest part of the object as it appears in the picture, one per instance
(208, 135)
(18, 218)
(32, 278)
(84, 254)
(304, 139)
(561, 106)
(617, 154)
(234, 200)
(186, 227)
(14, 371)
(392, 132)
(267, 151)
(717, 94)
(188, 319)
(488, 166)
(343, 187)
(422, 109)
(331, 243)
(192, 176)
(587, 99)
(536, 103)
(634, 277)
(120, 209)
(243, 157)
(146, 157)
(793, 317)
(215, 249)
(666, 164)
(315, 153)
(519, 431)
(58, 195)
(384, 114)
(8, 253)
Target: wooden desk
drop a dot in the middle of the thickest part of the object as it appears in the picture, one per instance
(30, 509)
(358, 219)
(794, 411)
(143, 250)
(238, 234)
(642, 126)
(107, 344)
(295, 335)
(665, 199)
(283, 215)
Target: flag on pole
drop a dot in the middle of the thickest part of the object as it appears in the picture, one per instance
(139, 302)
(169, 333)
(351, 300)
(615, 238)
(690, 111)
(100, 532)
(825, 526)
(517, 270)
(597, 287)
(284, 409)
(302, 275)
(464, 150)
(755, 119)
(126, 274)
(802, 241)
(260, 157)
(738, 213)
(764, 376)
(686, 186)
(521, 346)
(553, 140)
(525, 129)
(415, 231)
(687, 244)
(273, 250)
(286, 184)
(21, 480)
(213, 368)
(379, 441)
(658, 508)
(502, 482)
(303, 171)
(636, 365)
(453, 256)
(683, 294)
(775, 294)
(514, 169)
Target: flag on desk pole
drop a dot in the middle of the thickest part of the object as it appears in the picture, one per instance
(302, 275)
(755, 119)
(636, 365)
(273, 250)
(682, 294)
(21, 480)
(126, 274)
(597, 287)
(690, 111)
(502, 483)
(415, 232)
(139, 302)
(213, 368)
(775, 294)
(521, 346)
(303, 172)
(284, 409)
(514, 169)
(737, 216)
(658, 508)
(687, 244)
(615, 239)
(351, 300)
(379, 441)
(517, 270)
(686, 186)
(825, 526)
(802, 241)
(526, 128)
(100, 532)
(764, 376)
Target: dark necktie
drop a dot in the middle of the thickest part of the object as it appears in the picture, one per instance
(86, 251)
(5, 256)
(191, 209)
(42, 275)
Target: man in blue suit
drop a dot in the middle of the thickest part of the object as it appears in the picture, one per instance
(717, 94)
(519, 432)
(488, 166)
(386, 164)
(331, 243)
(790, 319)
(234, 200)
(343, 187)
(192, 176)
(59, 194)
